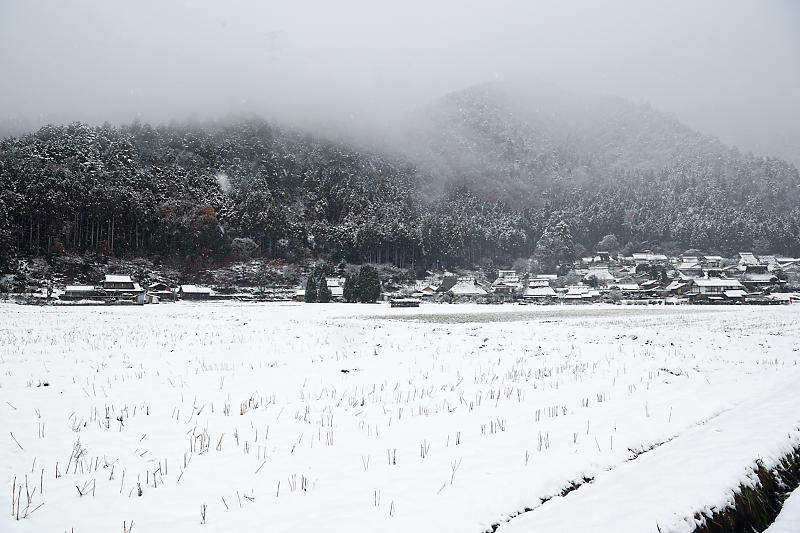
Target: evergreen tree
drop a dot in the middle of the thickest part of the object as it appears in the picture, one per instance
(311, 289)
(324, 293)
(340, 268)
(609, 243)
(369, 284)
(556, 246)
(350, 289)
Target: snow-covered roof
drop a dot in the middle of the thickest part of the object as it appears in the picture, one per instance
(646, 256)
(714, 258)
(675, 285)
(194, 289)
(578, 290)
(628, 286)
(734, 293)
(748, 258)
(539, 292)
(78, 288)
(717, 282)
(467, 287)
(759, 278)
(599, 273)
(117, 278)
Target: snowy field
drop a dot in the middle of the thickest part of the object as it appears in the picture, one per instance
(291, 417)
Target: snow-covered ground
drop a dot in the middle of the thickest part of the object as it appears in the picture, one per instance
(292, 417)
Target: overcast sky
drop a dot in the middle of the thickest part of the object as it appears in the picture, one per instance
(728, 68)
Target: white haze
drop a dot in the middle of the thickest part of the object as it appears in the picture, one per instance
(727, 68)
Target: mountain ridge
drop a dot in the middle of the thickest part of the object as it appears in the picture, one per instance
(488, 175)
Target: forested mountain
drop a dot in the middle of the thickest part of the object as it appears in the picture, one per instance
(489, 173)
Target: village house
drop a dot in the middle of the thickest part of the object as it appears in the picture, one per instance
(425, 288)
(539, 293)
(783, 261)
(507, 283)
(542, 279)
(599, 257)
(757, 277)
(601, 274)
(712, 261)
(115, 284)
(448, 282)
(677, 287)
(467, 286)
(629, 288)
(713, 289)
(81, 292)
(648, 258)
(580, 293)
(336, 286)
(690, 270)
(194, 292)
(748, 258)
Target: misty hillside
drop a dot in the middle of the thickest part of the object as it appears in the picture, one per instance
(493, 174)
(516, 141)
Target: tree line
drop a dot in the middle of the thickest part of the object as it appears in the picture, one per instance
(198, 191)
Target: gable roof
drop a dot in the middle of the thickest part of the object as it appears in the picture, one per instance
(194, 289)
(735, 293)
(467, 287)
(539, 292)
(747, 258)
(79, 288)
(675, 285)
(717, 282)
(117, 278)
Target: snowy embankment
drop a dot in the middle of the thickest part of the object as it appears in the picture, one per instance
(245, 417)
(789, 519)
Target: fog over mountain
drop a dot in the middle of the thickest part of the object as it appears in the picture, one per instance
(729, 69)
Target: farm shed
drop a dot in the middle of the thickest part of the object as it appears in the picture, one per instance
(194, 292)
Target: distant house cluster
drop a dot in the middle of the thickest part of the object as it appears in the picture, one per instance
(641, 278)
(691, 277)
(122, 288)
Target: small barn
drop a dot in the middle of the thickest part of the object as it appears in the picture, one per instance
(194, 292)
(164, 292)
(404, 302)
